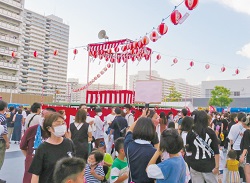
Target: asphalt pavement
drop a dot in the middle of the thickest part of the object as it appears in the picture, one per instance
(13, 167)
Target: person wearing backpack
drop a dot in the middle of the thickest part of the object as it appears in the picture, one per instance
(119, 125)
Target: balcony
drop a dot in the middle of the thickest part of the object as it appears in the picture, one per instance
(8, 90)
(45, 64)
(24, 72)
(24, 80)
(23, 88)
(10, 40)
(25, 64)
(10, 66)
(13, 3)
(10, 27)
(7, 53)
(12, 79)
(10, 15)
(45, 79)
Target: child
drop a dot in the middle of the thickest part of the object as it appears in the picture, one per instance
(173, 169)
(107, 160)
(232, 165)
(94, 172)
(69, 170)
(119, 171)
(221, 165)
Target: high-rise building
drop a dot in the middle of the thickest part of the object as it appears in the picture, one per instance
(46, 72)
(11, 18)
(186, 90)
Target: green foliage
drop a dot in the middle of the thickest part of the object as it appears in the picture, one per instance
(173, 96)
(220, 97)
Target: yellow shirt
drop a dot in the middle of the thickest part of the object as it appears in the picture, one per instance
(232, 165)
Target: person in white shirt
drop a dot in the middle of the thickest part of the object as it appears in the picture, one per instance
(109, 142)
(99, 133)
(33, 118)
(235, 135)
(129, 116)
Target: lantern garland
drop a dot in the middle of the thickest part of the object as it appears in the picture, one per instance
(94, 79)
(13, 55)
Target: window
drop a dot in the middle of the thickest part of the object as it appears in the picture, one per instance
(236, 93)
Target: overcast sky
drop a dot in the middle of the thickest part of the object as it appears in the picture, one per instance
(217, 32)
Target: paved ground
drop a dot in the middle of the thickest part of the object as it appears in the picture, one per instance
(13, 167)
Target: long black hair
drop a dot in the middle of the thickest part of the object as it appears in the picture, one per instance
(163, 117)
(200, 125)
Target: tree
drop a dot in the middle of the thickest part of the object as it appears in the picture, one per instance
(173, 96)
(220, 97)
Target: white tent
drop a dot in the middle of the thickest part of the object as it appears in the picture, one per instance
(187, 104)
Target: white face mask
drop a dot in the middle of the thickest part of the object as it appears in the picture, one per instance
(99, 113)
(91, 164)
(41, 121)
(65, 117)
(125, 110)
(59, 131)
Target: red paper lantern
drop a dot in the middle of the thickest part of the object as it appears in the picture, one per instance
(135, 44)
(35, 54)
(118, 60)
(55, 53)
(154, 36)
(108, 65)
(140, 45)
(98, 75)
(158, 57)
(191, 64)
(162, 29)
(116, 49)
(105, 69)
(191, 4)
(95, 78)
(207, 66)
(223, 69)
(112, 60)
(145, 40)
(75, 51)
(175, 61)
(100, 57)
(237, 71)
(175, 17)
(13, 54)
(124, 48)
(133, 58)
(102, 72)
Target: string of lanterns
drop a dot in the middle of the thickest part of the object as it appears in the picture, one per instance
(137, 49)
(94, 79)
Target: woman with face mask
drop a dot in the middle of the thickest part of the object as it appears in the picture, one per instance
(52, 150)
(99, 133)
(217, 126)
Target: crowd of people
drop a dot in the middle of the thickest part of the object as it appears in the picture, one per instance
(186, 148)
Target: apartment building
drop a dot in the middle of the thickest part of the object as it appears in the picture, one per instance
(47, 72)
(11, 18)
(187, 91)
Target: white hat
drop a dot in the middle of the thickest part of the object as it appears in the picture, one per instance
(1, 129)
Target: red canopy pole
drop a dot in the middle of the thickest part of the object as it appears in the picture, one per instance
(88, 68)
(127, 74)
(115, 71)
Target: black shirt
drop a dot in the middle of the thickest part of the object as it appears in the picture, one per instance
(9, 119)
(225, 124)
(245, 141)
(118, 124)
(46, 156)
(202, 159)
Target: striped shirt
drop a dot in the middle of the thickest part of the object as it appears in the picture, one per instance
(89, 177)
(4, 123)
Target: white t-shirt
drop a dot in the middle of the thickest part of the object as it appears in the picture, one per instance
(130, 119)
(109, 120)
(236, 134)
(184, 137)
(99, 133)
(35, 120)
